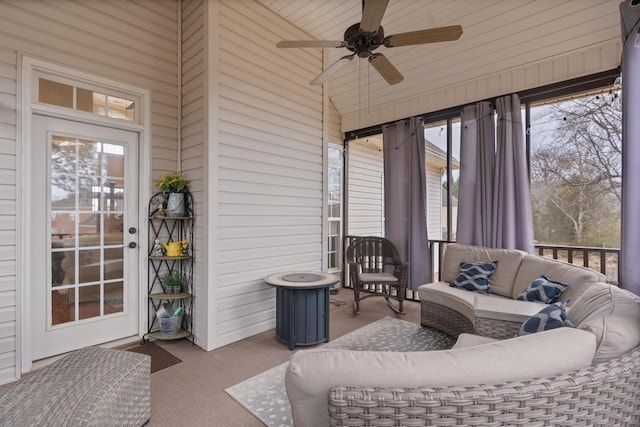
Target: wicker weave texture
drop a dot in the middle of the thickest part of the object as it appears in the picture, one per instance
(494, 328)
(607, 394)
(453, 323)
(90, 387)
(444, 319)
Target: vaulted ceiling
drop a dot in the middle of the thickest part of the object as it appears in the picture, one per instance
(499, 35)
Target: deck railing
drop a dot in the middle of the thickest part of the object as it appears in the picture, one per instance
(604, 260)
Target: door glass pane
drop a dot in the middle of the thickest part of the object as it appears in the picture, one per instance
(89, 265)
(88, 195)
(63, 306)
(113, 263)
(89, 302)
(87, 222)
(113, 297)
(63, 156)
(113, 229)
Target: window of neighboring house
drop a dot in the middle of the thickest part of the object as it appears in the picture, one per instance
(334, 210)
(442, 137)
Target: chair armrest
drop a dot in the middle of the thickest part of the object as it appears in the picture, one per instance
(401, 271)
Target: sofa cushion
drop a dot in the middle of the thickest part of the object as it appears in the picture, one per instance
(475, 276)
(544, 290)
(551, 317)
(504, 275)
(500, 308)
(312, 373)
(612, 316)
(470, 340)
(534, 266)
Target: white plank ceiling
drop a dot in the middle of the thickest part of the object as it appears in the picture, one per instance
(499, 35)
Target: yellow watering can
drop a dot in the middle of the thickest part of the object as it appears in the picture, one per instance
(175, 248)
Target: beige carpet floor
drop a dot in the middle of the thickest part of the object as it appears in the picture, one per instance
(192, 393)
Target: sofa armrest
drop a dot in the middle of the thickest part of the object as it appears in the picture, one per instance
(312, 373)
(608, 392)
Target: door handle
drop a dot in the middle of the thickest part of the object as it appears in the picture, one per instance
(132, 230)
(133, 245)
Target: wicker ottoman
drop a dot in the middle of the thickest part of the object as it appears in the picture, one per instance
(90, 387)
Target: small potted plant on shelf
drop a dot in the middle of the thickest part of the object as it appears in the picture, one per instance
(174, 185)
(173, 282)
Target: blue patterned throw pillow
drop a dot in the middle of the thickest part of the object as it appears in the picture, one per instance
(474, 276)
(544, 290)
(551, 317)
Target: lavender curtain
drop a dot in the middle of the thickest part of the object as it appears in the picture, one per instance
(405, 193)
(494, 207)
(512, 218)
(477, 159)
(630, 240)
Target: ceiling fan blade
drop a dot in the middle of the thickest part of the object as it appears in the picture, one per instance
(310, 43)
(385, 68)
(433, 35)
(322, 77)
(372, 14)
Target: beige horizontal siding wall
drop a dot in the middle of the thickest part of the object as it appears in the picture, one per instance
(365, 204)
(127, 41)
(435, 221)
(194, 149)
(8, 212)
(335, 132)
(269, 178)
(589, 60)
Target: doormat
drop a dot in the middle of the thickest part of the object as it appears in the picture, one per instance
(160, 358)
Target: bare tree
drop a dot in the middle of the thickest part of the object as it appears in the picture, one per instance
(576, 171)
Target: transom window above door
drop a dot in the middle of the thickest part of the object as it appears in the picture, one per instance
(98, 101)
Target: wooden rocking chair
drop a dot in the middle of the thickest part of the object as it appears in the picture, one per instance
(375, 269)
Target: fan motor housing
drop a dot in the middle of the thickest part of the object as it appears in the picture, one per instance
(362, 43)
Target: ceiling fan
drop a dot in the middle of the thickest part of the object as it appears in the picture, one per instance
(367, 35)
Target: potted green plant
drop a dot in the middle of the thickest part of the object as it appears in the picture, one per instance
(175, 186)
(173, 282)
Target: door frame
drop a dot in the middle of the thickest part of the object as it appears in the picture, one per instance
(30, 68)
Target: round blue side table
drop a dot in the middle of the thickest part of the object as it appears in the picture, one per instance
(302, 306)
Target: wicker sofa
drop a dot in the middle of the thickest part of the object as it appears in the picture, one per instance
(92, 386)
(587, 375)
(497, 314)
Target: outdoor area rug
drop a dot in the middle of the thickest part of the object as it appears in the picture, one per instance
(265, 397)
(160, 358)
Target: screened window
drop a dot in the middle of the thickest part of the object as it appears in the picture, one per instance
(576, 159)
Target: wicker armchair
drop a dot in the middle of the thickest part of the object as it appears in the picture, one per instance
(606, 394)
(375, 269)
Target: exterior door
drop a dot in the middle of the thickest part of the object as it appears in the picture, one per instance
(84, 269)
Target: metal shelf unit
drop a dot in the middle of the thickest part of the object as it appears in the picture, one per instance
(170, 229)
